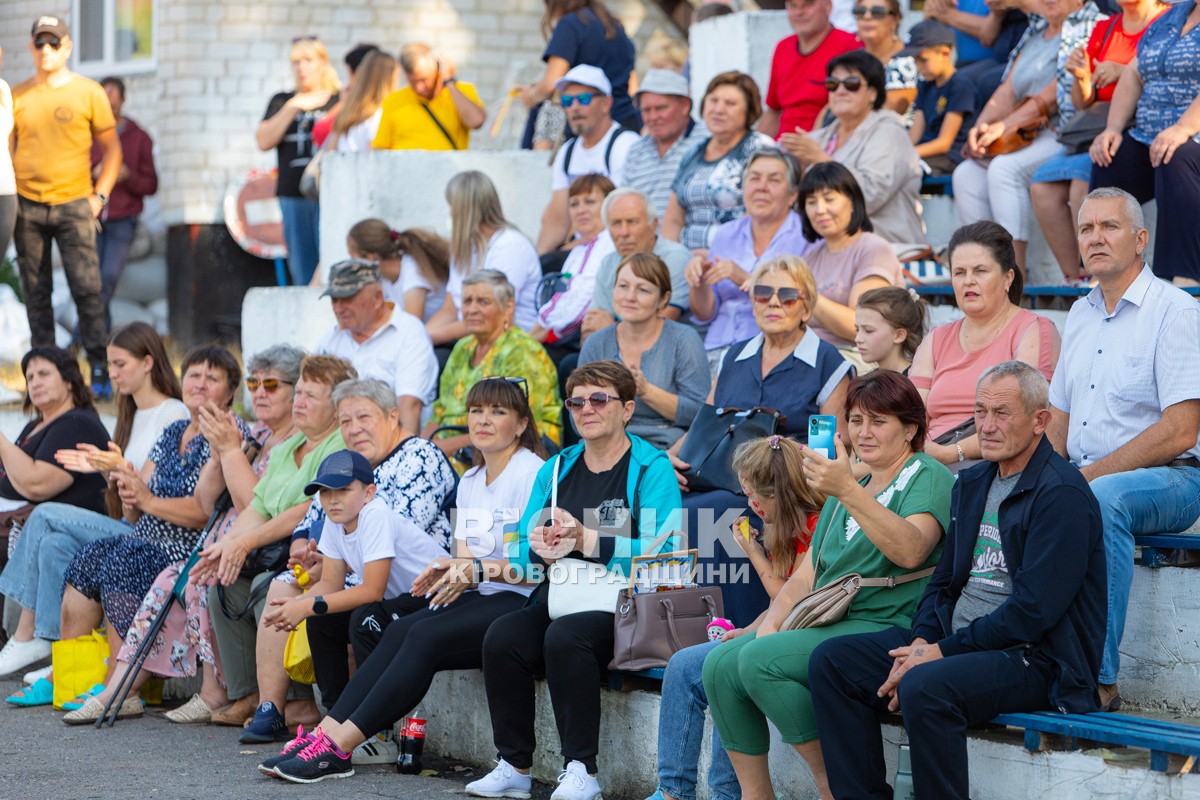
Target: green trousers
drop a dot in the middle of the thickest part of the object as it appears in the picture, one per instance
(751, 680)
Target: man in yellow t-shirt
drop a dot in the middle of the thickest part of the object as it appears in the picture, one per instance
(56, 116)
(434, 112)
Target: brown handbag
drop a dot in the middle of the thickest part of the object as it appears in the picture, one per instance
(10, 529)
(651, 627)
(1021, 137)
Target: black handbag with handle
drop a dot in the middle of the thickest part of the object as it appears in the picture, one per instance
(712, 439)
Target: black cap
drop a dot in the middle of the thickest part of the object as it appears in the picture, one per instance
(924, 35)
(339, 470)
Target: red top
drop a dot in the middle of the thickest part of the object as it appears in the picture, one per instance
(803, 540)
(1120, 47)
(797, 87)
(322, 128)
(138, 154)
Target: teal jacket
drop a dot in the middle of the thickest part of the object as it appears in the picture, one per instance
(658, 508)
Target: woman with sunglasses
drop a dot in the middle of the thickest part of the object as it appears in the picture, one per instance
(607, 499)
(879, 31)
(666, 357)
(465, 593)
(786, 367)
(872, 142)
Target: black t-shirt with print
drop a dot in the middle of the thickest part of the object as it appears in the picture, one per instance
(597, 500)
(295, 149)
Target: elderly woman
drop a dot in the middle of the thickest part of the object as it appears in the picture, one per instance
(998, 188)
(666, 357)
(286, 128)
(889, 524)
(879, 31)
(707, 190)
(493, 347)
(63, 417)
(616, 498)
(1159, 92)
(770, 228)
(108, 578)
(481, 238)
(786, 367)
(848, 257)
(871, 141)
(947, 365)
(467, 593)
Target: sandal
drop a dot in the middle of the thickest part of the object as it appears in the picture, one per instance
(78, 702)
(192, 712)
(40, 693)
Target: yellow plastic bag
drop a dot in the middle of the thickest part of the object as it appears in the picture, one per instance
(79, 664)
(297, 658)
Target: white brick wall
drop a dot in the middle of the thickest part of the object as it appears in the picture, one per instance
(219, 61)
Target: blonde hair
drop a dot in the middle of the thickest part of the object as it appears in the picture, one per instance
(773, 467)
(474, 205)
(797, 269)
(315, 48)
(374, 80)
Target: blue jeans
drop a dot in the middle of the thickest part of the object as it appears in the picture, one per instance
(1154, 500)
(113, 243)
(681, 731)
(49, 540)
(302, 233)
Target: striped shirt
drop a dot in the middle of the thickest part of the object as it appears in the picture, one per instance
(651, 175)
(1118, 372)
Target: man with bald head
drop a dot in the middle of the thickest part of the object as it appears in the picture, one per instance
(435, 111)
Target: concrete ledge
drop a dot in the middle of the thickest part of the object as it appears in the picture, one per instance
(295, 315)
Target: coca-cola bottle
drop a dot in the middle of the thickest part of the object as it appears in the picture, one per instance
(412, 745)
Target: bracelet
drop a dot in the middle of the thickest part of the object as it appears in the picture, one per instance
(961, 455)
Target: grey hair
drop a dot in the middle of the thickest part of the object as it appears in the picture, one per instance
(1133, 209)
(628, 191)
(282, 358)
(1035, 389)
(371, 389)
(502, 290)
(790, 163)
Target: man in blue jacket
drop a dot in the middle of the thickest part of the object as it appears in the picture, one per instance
(1012, 620)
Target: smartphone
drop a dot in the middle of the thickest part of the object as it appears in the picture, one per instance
(821, 430)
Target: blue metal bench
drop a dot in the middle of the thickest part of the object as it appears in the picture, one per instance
(1166, 549)
(1163, 739)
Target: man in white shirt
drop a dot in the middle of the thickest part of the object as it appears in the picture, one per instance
(599, 146)
(381, 340)
(1125, 399)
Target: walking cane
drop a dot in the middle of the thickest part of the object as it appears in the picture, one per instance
(177, 594)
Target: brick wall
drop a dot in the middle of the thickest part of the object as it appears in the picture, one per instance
(219, 61)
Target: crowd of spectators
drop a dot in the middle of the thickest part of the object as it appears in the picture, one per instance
(986, 480)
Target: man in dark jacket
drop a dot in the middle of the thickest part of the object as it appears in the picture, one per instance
(1012, 620)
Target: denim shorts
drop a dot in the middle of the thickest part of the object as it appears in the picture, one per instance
(1063, 167)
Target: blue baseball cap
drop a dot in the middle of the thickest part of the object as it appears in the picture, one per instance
(339, 470)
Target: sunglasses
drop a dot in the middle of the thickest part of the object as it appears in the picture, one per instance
(584, 98)
(270, 384)
(40, 42)
(874, 12)
(852, 84)
(309, 38)
(597, 400)
(788, 295)
(517, 381)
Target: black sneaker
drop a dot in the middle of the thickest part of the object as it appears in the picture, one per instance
(101, 385)
(290, 750)
(316, 762)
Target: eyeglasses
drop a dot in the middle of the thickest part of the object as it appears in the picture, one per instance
(270, 384)
(788, 295)
(515, 380)
(40, 42)
(584, 98)
(312, 37)
(597, 400)
(852, 84)
(874, 12)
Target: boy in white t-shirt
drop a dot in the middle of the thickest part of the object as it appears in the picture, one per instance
(362, 535)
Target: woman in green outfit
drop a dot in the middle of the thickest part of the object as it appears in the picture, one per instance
(493, 347)
(890, 523)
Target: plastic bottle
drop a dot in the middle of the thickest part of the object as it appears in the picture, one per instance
(412, 745)
(902, 788)
(302, 577)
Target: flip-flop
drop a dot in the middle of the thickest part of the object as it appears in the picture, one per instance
(78, 702)
(40, 693)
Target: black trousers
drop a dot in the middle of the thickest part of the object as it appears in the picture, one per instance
(393, 680)
(939, 701)
(572, 652)
(361, 628)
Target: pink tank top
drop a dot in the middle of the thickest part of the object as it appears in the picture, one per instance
(951, 400)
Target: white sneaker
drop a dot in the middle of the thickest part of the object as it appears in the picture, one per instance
(575, 784)
(503, 781)
(16, 656)
(379, 749)
(33, 677)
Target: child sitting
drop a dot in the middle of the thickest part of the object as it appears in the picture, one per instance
(946, 102)
(889, 324)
